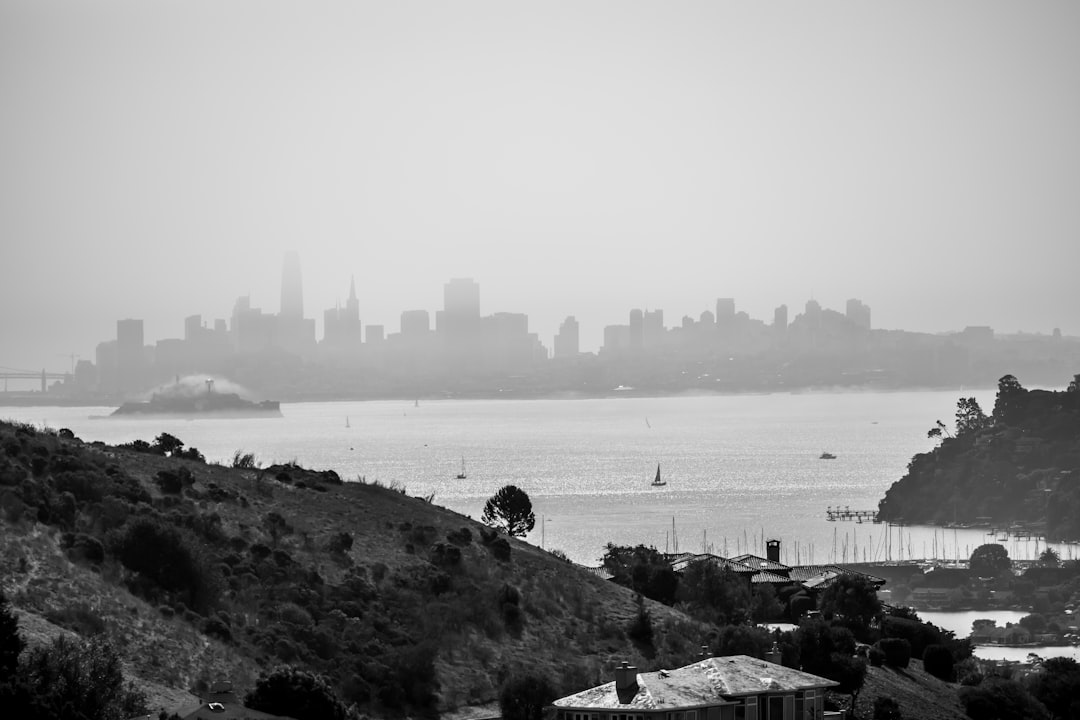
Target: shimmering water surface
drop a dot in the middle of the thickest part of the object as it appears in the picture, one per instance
(738, 468)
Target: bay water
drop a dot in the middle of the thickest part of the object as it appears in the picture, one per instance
(739, 469)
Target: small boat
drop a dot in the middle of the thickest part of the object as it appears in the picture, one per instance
(657, 482)
(461, 475)
(826, 456)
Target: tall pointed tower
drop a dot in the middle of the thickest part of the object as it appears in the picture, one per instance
(352, 305)
(292, 290)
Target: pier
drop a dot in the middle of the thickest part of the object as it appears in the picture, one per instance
(846, 513)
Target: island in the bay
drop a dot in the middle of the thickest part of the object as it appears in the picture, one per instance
(1015, 468)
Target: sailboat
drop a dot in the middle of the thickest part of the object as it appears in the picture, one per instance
(461, 475)
(657, 482)
(347, 421)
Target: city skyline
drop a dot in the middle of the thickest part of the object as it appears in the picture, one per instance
(574, 160)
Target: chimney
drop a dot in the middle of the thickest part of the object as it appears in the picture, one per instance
(772, 550)
(626, 680)
(705, 652)
(774, 655)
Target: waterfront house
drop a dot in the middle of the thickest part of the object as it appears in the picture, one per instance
(735, 687)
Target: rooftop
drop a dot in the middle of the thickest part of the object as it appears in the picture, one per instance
(703, 683)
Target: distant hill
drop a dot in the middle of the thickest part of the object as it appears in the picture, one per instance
(1019, 464)
(204, 572)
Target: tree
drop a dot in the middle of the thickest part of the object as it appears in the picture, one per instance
(716, 593)
(1000, 699)
(1074, 385)
(80, 680)
(938, 430)
(167, 444)
(524, 697)
(744, 640)
(11, 643)
(1057, 687)
(938, 661)
(1011, 400)
(764, 607)
(297, 693)
(852, 598)
(989, 560)
(510, 509)
(969, 416)
(1050, 557)
(643, 570)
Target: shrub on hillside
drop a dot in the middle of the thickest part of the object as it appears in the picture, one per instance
(78, 618)
(166, 559)
(885, 708)
(524, 697)
(297, 693)
(938, 661)
(897, 652)
(1001, 699)
(169, 482)
(340, 543)
(460, 537)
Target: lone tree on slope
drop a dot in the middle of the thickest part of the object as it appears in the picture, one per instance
(510, 509)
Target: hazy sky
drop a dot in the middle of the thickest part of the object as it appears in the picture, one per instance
(158, 158)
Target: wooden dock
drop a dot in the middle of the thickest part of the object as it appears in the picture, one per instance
(845, 513)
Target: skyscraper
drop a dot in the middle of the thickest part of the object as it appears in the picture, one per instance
(566, 342)
(292, 289)
(461, 298)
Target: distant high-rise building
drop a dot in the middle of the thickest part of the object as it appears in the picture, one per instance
(616, 338)
(341, 326)
(461, 298)
(292, 288)
(567, 341)
(193, 328)
(652, 328)
(374, 334)
(858, 313)
(725, 310)
(637, 329)
(130, 365)
(780, 320)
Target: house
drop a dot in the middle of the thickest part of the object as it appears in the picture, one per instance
(735, 687)
(1009, 635)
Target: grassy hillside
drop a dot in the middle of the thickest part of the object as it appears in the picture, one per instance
(918, 693)
(202, 572)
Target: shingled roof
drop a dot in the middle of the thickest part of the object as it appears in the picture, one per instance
(703, 683)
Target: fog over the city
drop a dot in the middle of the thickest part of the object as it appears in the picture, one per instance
(157, 159)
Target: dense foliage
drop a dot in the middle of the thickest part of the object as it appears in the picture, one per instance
(297, 694)
(68, 679)
(1019, 464)
(524, 697)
